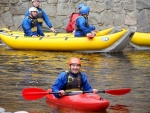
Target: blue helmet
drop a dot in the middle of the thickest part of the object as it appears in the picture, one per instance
(84, 10)
(81, 5)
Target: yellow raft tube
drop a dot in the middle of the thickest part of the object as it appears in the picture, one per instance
(107, 43)
(141, 41)
(21, 33)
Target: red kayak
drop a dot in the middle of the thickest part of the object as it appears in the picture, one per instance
(86, 101)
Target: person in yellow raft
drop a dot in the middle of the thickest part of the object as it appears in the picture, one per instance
(41, 15)
(72, 19)
(72, 80)
(30, 24)
(82, 27)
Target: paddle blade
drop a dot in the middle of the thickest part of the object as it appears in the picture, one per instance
(33, 93)
(118, 91)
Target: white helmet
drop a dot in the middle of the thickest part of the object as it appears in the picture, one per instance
(33, 9)
(34, 0)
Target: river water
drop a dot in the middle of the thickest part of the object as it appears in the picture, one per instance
(21, 69)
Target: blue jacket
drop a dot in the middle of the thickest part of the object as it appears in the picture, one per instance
(26, 25)
(62, 80)
(44, 16)
(82, 28)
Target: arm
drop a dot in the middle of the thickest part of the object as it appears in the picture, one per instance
(91, 27)
(82, 25)
(46, 19)
(26, 25)
(59, 83)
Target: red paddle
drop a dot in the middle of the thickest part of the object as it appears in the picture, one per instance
(37, 93)
(122, 91)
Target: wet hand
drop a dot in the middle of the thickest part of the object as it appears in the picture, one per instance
(96, 30)
(94, 33)
(95, 90)
(61, 93)
(34, 36)
(52, 29)
(73, 32)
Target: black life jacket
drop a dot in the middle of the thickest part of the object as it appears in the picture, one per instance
(73, 83)
(86, 23)
(34, 23)
(40, 16)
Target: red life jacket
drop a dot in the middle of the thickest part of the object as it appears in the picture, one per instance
(72, 21)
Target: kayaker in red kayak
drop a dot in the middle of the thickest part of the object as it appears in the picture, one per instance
(72, 80)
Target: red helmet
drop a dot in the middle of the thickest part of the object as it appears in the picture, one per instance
(75, 61)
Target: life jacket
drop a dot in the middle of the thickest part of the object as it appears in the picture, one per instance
(34, 23)
(73, 83)
(40, 16)
(71, 24)
(86, 23)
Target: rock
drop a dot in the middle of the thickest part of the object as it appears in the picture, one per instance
(14, 1)
(63, 12)
(142, 18)
(50, 9)
(142, 4)
(130, 19)
(52, 1)
(7, 18)
(19, 9)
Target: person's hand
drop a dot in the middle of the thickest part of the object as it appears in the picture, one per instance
(34, 36)
(95, 90)
(61, 93)
(96, 30)
(94, 33)
(73, 32)
(52, 29)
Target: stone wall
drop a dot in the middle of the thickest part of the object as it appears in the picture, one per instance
(103, 14)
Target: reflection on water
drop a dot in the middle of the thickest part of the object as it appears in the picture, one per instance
(20, 69)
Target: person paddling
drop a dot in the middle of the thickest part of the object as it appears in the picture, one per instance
(30, 24)
(72, 80)
(42, 16)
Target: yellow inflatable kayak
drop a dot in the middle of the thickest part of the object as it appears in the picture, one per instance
(21, 33)
(108, 43)
(141, 40)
